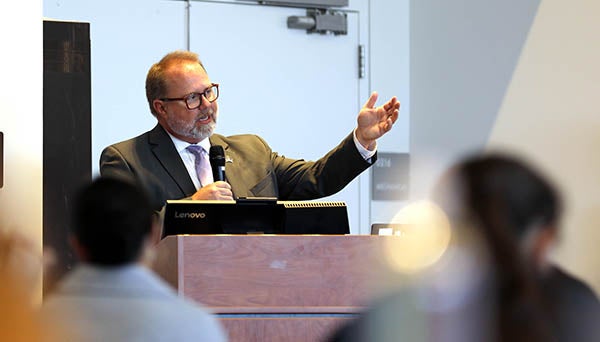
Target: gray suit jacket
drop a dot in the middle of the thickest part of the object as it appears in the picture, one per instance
(125, 303)
(253, 169)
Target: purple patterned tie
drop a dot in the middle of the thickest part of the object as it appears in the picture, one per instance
(201, 163)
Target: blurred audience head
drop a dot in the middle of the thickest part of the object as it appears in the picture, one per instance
(516, 210)
(511, 202)
(113, 223)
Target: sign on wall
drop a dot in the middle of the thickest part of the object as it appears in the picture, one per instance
(390, 177)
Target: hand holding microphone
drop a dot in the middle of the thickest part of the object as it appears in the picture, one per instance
(220, 189)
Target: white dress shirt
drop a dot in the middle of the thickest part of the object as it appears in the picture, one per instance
(189, 159)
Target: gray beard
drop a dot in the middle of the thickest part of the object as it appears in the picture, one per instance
(201, 132)
(188, 130)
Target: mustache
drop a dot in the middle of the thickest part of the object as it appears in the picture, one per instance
(210, 112)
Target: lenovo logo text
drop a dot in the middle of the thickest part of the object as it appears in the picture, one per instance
(190, 215)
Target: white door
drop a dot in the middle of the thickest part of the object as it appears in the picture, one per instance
(299, 91)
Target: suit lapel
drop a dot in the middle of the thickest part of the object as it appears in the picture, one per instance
(164, 150)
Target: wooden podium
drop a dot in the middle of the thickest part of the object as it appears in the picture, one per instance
(273, 287)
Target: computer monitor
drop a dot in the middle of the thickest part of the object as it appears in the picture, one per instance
(255, 216)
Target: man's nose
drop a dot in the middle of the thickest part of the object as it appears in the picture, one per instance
(203, 101)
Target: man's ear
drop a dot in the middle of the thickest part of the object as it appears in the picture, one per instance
(80, 251)
(159, 107)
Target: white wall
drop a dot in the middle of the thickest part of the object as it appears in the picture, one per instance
(550, 113)
(463, 54)
(21, 120)
(389, 41)
(522, 74)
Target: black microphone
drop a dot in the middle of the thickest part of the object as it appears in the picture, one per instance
(216, 156)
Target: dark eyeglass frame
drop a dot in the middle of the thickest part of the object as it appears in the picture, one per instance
(202, 94)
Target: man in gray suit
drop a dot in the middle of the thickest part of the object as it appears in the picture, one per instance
(111, 295)
(183, 99)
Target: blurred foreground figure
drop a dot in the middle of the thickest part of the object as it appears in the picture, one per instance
(512, 212)
(435, 284)
(518, 212)
(19, 266)
(110, 295)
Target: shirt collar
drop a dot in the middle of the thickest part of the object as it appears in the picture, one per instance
(181, 145)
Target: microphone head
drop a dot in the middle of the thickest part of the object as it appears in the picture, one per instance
(216, 154)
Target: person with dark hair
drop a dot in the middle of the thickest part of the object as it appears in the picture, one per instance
(170, 161)
(111, 295)
(517, 211)
(514, 213)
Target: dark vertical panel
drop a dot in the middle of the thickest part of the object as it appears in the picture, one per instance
(67, 134)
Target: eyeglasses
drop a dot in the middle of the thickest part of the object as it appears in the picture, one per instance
(194, 100)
